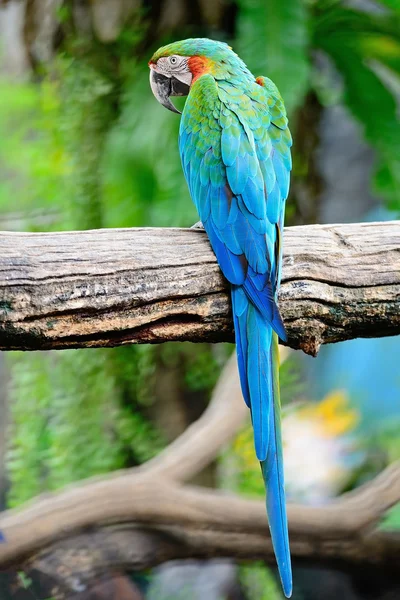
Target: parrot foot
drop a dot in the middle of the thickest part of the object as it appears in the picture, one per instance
(198, 225)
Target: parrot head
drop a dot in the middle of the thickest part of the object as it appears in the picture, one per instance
(174, 68)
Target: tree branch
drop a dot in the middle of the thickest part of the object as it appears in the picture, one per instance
(203, 522)
(84, 557)
(112, 287)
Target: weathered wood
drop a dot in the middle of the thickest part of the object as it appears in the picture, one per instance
(113, 287)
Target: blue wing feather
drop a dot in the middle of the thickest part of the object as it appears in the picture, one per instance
(237, 174)
(231, 265)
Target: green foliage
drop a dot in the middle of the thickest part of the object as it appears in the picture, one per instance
(291, 381)
(273, 40)
(135, 369)
(389, 441)
(26, 583)
(140, 186)
(365, 48)
(55, 135)
(203, 365)
(29, 406)
(391, 520)
(259, 583)
(391, 4)
(33, 161)
(85, 116)
(386, 441)
(69, 421)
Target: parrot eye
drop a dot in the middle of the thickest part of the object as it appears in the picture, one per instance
(173, 60)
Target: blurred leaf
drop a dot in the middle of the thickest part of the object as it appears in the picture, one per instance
(391, 520)
(201, 368)
(34, 160)
(387, 439)
(26, 581)
(291, 381)
(273, 40)
(383, 48)
(392, 4)
(69, 420)
(353, 39)
(142, 174)
(259, 582)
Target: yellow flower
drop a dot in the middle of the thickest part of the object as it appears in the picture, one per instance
(333, 413)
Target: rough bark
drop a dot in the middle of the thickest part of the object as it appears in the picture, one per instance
(113, 287)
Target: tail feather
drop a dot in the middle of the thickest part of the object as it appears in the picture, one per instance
(258, 361)
(259, 381)
(272, 470)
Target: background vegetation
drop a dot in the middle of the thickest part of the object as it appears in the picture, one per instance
(81, 149)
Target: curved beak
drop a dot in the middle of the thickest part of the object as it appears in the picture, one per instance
(163, 87)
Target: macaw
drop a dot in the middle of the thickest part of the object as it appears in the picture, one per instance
(235, 144)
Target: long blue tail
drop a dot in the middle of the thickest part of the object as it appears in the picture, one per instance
(258, 361)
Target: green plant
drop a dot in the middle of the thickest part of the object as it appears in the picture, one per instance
(258, 582)
(391, 520)
(273, 39)
(26, 584)
(70, 421)
(365, 48)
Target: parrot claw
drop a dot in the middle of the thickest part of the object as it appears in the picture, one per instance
(198, 225)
